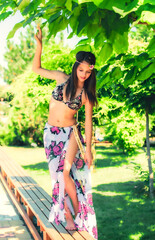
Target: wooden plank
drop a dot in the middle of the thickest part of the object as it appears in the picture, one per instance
(41, 190)
(29, 213)
(31, 191)
(28, 222)
(86, 235)
(28, 195)
(37, 212)
(77, 235)
(45, 236)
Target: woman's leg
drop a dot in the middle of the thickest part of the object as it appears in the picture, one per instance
(69, 183)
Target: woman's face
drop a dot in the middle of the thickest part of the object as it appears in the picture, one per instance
(83, 71)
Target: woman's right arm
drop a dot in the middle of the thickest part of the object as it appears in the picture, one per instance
(36, 67)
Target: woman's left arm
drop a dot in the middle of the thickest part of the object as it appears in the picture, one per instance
(88, 132)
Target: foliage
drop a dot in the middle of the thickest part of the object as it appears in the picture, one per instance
(18, 56)
(123, 127)
(142, 33)
(105, 22)
(29, 106)
(130, 78)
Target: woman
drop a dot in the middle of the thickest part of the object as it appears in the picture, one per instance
(70, 173)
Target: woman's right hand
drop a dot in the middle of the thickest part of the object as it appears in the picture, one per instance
(38, 35)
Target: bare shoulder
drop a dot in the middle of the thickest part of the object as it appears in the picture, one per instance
(61, 77)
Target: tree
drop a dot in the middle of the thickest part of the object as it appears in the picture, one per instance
(106, 23)
(130, 78)
(19, 55)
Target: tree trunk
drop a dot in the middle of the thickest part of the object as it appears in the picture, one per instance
(149, 156)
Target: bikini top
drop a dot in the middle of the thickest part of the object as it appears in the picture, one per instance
(74, 104)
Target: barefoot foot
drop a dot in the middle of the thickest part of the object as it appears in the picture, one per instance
(69, 219)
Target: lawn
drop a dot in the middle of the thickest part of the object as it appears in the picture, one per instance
(123, 209)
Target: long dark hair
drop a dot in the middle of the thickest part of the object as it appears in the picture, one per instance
(89, 84)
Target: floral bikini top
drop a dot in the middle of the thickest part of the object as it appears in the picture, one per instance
(74, 104)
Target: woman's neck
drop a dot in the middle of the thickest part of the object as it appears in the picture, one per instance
(80, 84)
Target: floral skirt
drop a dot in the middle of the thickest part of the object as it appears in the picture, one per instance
(56, 140)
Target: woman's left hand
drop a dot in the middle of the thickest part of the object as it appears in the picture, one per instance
(88, 158)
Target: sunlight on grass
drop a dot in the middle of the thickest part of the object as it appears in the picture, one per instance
(108, 193)
(136, 236)
(135, 200)
(152, 228)
(121, 221)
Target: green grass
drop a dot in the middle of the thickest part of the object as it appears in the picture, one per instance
(123, 208)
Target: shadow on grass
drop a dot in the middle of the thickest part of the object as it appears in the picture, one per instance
(106, 162)
(37, 166)
(122, 214)
(111, 157)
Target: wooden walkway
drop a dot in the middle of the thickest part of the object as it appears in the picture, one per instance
(12, 225)
(33, 203)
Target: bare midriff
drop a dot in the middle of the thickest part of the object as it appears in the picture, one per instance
(60, 115)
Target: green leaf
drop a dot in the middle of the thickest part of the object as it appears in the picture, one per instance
(142, 60)
(98, 2)
(63, 22)
(116, 73)
(146, 72)
(3, 6)
(83, 41)
(31, 8)
(102, 81)
(117, 6)
(118, 10)
(151, 44)
(85, 47)
(91, 7)
(32, 18)
(70, 35)
(15, 28)
(23, 4)
(102, 70)
(73, 20)
(5, 15)
(151, 47)
(68, 5)
(120, 56)
(130, 77)
(129, 62)
(100, 38)
(57, 25)
(148, 1)
(92, 30)
(105, 52)
(131, 7)
(83, 20)
(53, 17)
(120, 43)
(50, 10)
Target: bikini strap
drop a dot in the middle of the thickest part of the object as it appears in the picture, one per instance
(81, 91)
